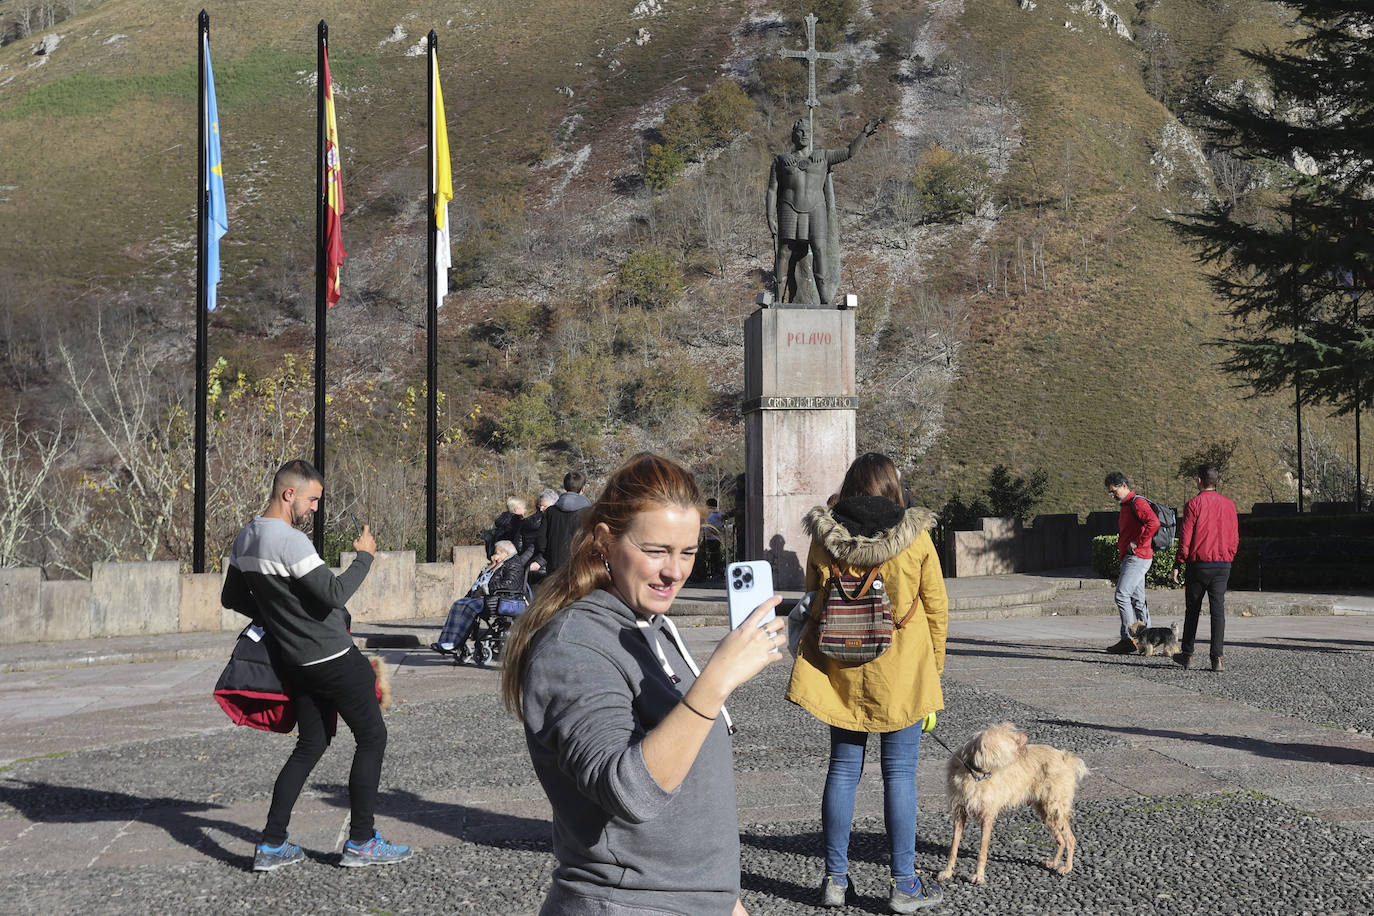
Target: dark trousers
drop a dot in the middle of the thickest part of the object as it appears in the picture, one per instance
(1209, 580)
(347, 685)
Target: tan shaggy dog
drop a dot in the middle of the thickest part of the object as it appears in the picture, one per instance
(995, 770)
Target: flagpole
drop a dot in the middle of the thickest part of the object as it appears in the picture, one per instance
(321, 268)
(202, 312)
(432, 333)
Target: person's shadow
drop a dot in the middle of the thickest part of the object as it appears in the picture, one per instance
(462, 822)
(46, 803)
(786, 566)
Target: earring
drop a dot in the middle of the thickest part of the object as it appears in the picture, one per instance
(606, 563)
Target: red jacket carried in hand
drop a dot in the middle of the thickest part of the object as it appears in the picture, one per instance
(1138, 524)
(1210, 532)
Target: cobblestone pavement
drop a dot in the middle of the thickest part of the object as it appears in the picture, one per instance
(123, 789)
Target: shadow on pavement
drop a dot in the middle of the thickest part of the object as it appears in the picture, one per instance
(1321, 753)
(462, 822)
(41, 802)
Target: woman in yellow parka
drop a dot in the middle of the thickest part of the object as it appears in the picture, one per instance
(892, 694)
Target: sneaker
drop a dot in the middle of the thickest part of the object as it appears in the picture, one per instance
(269, 858)
(835, 890)
(1217, 663)
(1124, 647)
(375, 851)
(441, 648)
(908, 898)
(1183, 659)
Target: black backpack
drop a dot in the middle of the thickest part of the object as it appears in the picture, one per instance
(1168, 524)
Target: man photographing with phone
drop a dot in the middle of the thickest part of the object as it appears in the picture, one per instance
(276, 578)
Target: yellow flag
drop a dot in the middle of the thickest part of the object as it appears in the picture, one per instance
(442, 172)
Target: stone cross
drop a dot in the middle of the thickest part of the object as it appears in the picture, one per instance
(811, 55)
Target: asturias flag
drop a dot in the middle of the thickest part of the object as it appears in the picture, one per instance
(443, 186)
(217, 214)
(333, 177)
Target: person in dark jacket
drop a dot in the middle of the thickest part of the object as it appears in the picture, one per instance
(276, 578)
(1207, 543)
(506, 527)
(534, 537)
(563, 518)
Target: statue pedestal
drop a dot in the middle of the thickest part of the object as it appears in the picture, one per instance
(799, 404)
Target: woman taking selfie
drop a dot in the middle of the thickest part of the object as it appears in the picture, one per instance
(630, 742)
(891, 694)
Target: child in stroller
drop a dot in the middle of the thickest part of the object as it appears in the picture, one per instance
(478, 623)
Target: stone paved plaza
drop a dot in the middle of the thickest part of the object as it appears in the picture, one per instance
(124, 789)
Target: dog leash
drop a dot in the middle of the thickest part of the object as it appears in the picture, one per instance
(977, 774)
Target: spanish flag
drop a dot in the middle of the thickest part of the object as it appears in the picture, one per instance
(333, 218)
(443, 186)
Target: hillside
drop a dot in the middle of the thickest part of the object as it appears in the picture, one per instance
(1050, 319)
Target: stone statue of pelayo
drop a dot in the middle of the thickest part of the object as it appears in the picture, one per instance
(802, 217)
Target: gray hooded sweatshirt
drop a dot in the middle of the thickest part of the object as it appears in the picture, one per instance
(594, 688)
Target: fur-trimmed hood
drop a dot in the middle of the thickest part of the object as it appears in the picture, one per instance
(862, 549)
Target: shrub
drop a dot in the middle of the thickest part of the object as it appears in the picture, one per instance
(649, 279)
(950, 185)
(721, 114)
(724, 112)
(526, 420)
(1107, 564)
(682, 129)
(662, 166)
(669, 390)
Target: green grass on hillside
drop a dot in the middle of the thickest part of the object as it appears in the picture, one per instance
(1103, 362)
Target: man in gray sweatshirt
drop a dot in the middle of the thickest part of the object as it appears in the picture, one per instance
(276, 578)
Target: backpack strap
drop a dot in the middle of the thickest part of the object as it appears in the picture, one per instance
(863, 589)
(912, 610)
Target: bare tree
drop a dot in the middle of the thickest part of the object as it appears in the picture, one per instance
(137, 491)
(27, 461)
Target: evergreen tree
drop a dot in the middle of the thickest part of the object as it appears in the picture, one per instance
(1294, 253)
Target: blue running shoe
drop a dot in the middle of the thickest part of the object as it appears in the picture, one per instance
(375, 851)
(269, 858)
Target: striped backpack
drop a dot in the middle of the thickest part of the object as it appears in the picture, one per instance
(855, 624)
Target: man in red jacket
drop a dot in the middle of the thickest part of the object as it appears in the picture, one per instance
(1207, 542)
(1136, 528)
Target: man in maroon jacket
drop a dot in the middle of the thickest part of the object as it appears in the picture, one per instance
(1136, 528)
(1207, 542)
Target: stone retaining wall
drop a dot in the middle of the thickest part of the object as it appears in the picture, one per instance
(132, 599)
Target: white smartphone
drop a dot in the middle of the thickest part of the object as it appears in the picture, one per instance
(747, 585)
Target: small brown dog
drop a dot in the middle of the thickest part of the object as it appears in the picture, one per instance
(996, 769)
(1155, 640)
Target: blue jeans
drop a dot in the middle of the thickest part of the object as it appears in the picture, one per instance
(898, 759)
(1130, 593)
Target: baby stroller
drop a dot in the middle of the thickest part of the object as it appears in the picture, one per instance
(487, 637)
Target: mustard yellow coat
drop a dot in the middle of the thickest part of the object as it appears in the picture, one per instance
(901, 686)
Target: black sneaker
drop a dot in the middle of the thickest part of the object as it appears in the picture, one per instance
(270, 858)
